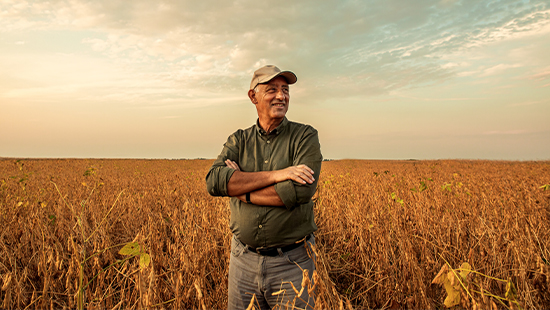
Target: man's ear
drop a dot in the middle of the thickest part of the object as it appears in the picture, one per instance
(252, 96)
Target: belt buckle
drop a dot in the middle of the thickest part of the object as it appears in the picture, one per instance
(259, 249)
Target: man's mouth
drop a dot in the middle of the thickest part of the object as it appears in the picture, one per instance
(279, 104)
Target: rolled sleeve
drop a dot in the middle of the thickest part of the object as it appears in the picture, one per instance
(287, 193)
(219, 174)
(217, 179)
(292, 193)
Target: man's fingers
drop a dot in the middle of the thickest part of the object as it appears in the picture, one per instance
(303, 179)
(306, 168)
(232, 164)
(308, 173)
(303, 174)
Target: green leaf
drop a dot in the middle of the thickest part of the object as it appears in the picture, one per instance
(511, 291)
(131, 248)
(144, 260)
(422, 186)
(546, 187)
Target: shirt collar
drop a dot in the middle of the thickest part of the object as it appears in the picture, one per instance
(275, 131)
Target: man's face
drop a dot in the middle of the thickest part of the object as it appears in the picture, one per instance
(272, 99)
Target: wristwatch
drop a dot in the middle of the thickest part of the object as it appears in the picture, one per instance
(248, 198)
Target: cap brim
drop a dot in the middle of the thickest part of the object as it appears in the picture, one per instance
(289, 76)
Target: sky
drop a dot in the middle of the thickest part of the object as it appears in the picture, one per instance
(381, 79)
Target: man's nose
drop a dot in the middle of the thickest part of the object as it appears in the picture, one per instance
(280, 95)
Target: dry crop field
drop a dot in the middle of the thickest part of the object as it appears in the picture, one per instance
(126, 234)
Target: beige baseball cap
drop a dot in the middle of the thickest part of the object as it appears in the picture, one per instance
(269, 72)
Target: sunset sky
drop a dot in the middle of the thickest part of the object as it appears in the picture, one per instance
(381, 79)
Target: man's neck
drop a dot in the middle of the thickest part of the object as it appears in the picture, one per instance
(269, 125)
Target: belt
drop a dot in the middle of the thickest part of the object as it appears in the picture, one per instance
(274, 251)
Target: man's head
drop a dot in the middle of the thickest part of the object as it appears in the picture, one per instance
(269, 92)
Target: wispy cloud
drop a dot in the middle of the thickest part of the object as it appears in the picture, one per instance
(506, 132)
(499, 69)
(529, 103)
(392, 46)
(440, 99)
(541, 74)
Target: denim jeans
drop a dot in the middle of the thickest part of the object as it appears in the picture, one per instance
(251, 274)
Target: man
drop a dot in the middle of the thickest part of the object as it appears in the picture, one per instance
(270, 171)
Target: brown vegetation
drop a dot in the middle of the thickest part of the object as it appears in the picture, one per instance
(386, 229)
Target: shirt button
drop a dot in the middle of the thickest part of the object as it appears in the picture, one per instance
(260, 226)
(268, 141)
(265, 161)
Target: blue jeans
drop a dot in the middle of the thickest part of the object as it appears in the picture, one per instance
(251, 274)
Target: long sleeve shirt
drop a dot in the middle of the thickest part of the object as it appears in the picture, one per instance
(290, 144)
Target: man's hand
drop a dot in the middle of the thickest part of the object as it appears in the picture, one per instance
(232, 164)
(301, 174)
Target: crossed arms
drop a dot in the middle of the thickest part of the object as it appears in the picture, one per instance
(288, 187)
(260, 184)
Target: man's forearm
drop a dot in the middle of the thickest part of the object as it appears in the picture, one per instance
(264, 197)
(246, 182)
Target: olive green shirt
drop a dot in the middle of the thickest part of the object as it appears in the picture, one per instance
(290, 144)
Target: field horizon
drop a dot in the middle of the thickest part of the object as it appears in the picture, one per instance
(324, 160)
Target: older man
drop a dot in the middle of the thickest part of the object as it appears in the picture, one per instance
(270, 171)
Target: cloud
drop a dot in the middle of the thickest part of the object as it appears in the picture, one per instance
(498, 69)
(528, 103)
(507, 132)
(541, 74)
(353, 46)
